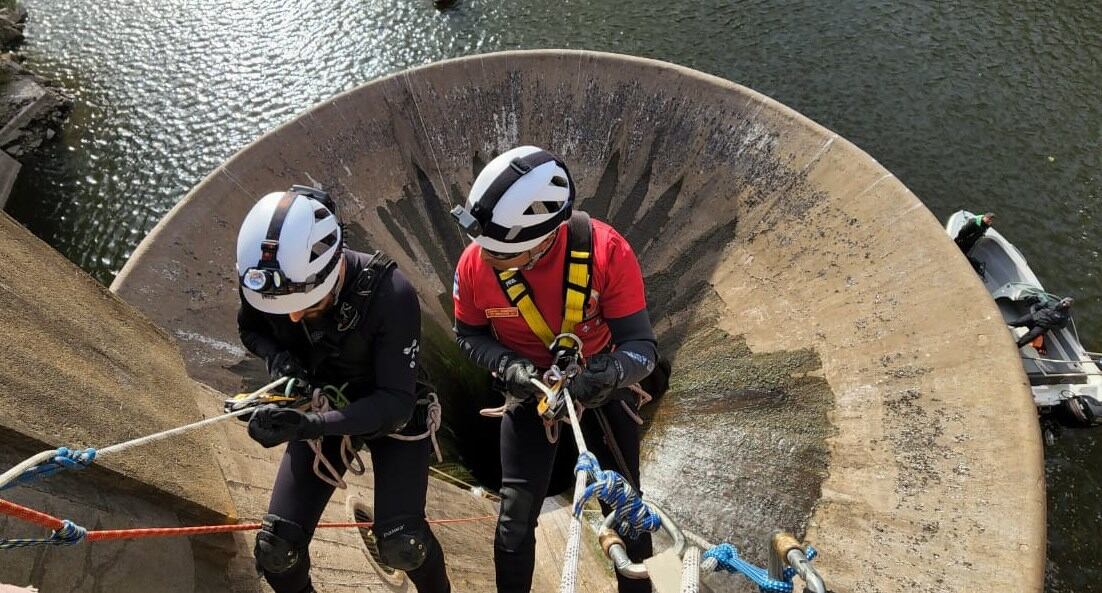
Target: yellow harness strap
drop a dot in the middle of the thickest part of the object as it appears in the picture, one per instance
(576, 285)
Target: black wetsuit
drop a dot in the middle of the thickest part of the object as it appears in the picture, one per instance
(375, 352)
(1041, 318)
(970, 233)
(527, 458)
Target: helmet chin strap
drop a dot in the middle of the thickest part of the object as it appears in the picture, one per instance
(537, 257)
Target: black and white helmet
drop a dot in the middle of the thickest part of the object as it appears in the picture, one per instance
(517, 200)
(288, 249)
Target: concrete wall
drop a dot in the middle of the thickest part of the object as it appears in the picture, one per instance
(839, 370)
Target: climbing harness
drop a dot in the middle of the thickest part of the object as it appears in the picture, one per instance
(577, 282)
(301, 396)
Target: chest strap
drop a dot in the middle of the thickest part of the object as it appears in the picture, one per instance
(367, 284)
(577, 282)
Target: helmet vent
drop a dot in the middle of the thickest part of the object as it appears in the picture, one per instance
(558, 181)
(539, 208)
(323, 245)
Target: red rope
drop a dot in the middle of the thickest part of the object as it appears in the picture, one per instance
(30, 515)
(50, 522)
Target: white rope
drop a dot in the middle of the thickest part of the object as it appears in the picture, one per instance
(180, 430)
(690, 570)
(12, 474)
(435, 417)
(319, 403)
(478, 491)
(570, 560)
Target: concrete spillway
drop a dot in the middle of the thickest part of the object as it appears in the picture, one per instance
(838, 369)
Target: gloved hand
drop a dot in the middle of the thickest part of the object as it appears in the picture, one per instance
(594, 385)
(283, 364)
(517, 373)
(271, 425)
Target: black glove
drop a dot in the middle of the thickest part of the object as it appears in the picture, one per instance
(272, 425)
(283, 364)
(517, 373)
(594, 385)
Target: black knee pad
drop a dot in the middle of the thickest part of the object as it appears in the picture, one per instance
(280, 545)
(514, 524)
(404, 545)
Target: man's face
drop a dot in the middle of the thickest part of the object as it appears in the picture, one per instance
(988, 219)
(506, 261)
(323, 305)
(313, 312)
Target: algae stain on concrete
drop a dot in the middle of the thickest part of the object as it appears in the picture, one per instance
(738, 447)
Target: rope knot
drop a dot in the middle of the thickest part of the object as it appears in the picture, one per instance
(69, 534)
(633, 516)
(727, 558)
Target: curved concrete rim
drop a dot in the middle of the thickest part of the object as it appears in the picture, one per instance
(789, 240)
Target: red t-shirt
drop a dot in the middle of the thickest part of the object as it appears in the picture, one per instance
(617, 291)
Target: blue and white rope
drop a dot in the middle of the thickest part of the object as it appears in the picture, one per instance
(633, 516)
(64, 459)
(69, 534)
(727, 558)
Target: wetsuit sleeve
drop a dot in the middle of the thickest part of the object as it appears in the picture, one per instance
(480, 346)
(395, 322)
(472, 328)
(636, 346)
(254, 331)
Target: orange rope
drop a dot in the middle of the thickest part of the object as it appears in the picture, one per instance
(29, 515)
(50, 522)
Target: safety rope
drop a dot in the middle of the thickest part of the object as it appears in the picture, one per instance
(569, 579)
(633, 516)
(68, 533)
(323, 400)
(47, 463)
(690, 570)
(477, 491)
(726, 557)
(433, 423)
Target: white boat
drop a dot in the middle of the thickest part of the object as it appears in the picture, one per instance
(1066, 379)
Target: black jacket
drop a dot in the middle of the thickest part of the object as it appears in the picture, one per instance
(372, 347)
(1049, 316)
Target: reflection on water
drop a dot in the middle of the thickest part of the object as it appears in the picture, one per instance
(989, 106)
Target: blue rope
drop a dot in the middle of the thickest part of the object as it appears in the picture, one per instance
(65, 459)
(69, 534)
(633, 516)
(727, 558)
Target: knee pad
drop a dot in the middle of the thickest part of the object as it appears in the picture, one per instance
(404, 545)
(514, 525)
(280, 545)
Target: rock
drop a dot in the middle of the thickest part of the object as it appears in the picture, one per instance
(14, 12)
(12, 18)
(32, 108)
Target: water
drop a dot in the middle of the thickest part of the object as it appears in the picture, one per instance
(984, 105)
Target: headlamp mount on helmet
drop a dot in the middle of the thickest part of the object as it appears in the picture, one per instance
(266, 277)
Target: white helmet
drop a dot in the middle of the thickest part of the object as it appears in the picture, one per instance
(517, 200)
(288, 249)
